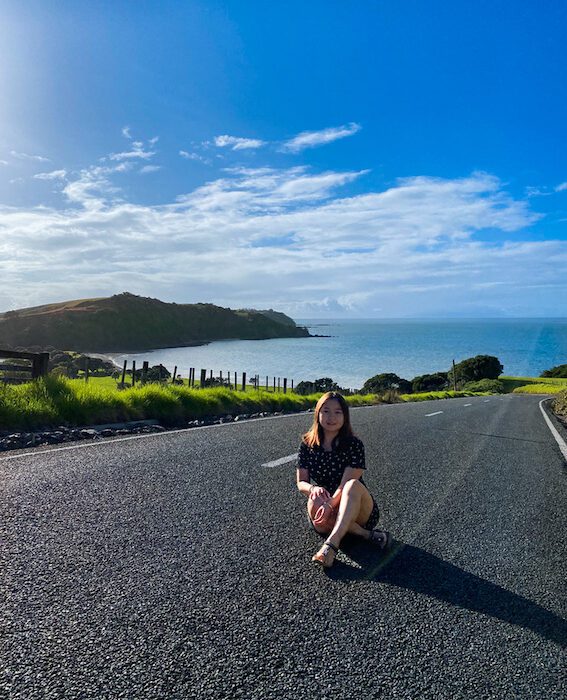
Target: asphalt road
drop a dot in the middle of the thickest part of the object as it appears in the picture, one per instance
(177, 566)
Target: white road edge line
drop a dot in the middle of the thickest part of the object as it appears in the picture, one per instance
(554, 432)
(281, 460)
(468, 404)
(433, 414)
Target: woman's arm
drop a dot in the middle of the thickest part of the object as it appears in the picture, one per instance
(303, 482)
(307, 488)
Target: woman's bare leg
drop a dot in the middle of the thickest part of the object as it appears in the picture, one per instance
(354, 510)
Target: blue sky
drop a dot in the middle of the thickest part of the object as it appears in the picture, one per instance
(370, 159)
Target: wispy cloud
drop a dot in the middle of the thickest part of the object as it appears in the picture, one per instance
(27, 156)
(126, 132)
(562, 187)
(311, 139)
(378, 250)
(137, 151)
(4, 162)
(236, 143)
(149, 169)
(53, 175)
(194, 156)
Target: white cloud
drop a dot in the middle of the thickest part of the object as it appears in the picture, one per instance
(53, 175)
(150, 169)
(26, 156)
(310, 139)
(126, 132)
(4, 162)
(561, 187)
(283, 238)
(136, 152)
(194, 156)
(237, 143)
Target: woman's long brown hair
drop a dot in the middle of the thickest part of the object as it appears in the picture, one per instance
(314, 436)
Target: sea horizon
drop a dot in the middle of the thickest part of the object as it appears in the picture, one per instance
(350, 351)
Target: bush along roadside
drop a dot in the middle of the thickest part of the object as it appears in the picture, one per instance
(559, 406)
(53, 410)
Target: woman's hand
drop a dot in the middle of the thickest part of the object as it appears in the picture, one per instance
(319, 492)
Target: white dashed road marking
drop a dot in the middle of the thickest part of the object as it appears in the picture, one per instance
(468, 404)
(281, 460)
(433, 414)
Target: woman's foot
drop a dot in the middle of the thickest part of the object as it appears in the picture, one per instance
(326, 555)
(380, 539)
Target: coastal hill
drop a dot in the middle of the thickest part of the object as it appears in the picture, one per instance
(129, 323)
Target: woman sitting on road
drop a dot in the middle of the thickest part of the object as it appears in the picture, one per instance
(334, 458)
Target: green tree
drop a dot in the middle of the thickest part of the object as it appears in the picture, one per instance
(319, 386)
(384, 382)
(560, 372)
(474, 368)
(430, 382)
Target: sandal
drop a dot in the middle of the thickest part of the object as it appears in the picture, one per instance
(381, 539)
(325, 549)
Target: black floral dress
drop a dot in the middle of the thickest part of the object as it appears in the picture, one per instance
(326, 469)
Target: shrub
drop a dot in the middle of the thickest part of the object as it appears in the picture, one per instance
(384, 382)
(559, 404)
(475, 368)
(559, 372)
(319, 386)
(430, 382)
(491, 385)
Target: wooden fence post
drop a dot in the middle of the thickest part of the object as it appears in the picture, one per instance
(203, 378)
(43, 364)
(266, 382)
(274, 385)
(174, 375)
(133, 372)
(292, 386)
(243, 381)
(454, 378)
(236, 381)
(124, 372)
(285, 385)
(86, 370)
(278, 385)
(145, 368)
(40, 365)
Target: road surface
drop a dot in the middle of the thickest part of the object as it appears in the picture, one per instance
(178, 566)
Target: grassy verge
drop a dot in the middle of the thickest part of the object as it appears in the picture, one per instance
(543, 388)
(434, 395)
(550, 385)
(56, 401)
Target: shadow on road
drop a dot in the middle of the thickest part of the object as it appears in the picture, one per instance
(406, 566)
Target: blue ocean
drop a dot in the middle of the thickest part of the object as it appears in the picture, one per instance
(354, 350)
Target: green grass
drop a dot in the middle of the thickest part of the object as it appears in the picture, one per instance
(55, 401)
(545, 388)
(512, 383)
(434, 395)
